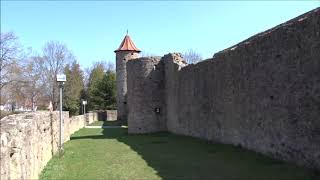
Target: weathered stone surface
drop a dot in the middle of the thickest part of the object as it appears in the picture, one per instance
(146, 95)
(107, 115)
(111, 115)
(122, 57)
(262, 94)
(29, 140)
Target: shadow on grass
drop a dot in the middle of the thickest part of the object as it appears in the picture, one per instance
(180, 157)
(106, 123)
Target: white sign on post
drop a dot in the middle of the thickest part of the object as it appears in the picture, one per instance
(84, 102)
(61, 78)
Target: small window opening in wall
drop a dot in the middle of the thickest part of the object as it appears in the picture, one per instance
(271, 97)
(157, 110)
(125, 102)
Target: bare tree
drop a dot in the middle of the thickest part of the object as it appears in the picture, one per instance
(192, 56)
(9, 50)
(34, 89)
(55, 56)
(16, 96)
(110, 66)
(86, 76)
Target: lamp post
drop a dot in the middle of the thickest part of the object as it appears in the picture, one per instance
(84, 103)
(61, 78)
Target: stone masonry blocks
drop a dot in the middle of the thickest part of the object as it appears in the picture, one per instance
(122, 57)
(29, 140)
(146, 95)
(262, 94)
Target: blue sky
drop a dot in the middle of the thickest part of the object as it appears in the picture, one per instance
(93, 30)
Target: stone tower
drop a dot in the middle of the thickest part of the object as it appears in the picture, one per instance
(126, 51)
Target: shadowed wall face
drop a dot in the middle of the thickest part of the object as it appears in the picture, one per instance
(262, 94)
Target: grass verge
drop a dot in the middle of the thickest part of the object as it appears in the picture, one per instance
(106, 123)
(113, 154)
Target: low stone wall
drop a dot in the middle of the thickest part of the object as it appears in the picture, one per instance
(29, 140)
(111, 115)
(107, 115)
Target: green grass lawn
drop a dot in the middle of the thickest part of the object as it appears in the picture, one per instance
(106, 123)
(113, 154)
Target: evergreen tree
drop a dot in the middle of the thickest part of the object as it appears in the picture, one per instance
(102, 88)
(107, 91)
(73, 88)
(95, 77)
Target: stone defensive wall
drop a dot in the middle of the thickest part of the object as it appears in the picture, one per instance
(262, 94)
(29, 140)
(107, 115)
(146, 95)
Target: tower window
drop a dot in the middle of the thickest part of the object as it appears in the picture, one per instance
(125, 102)
(157, 110)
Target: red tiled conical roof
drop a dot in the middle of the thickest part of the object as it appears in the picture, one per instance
(127, 45)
